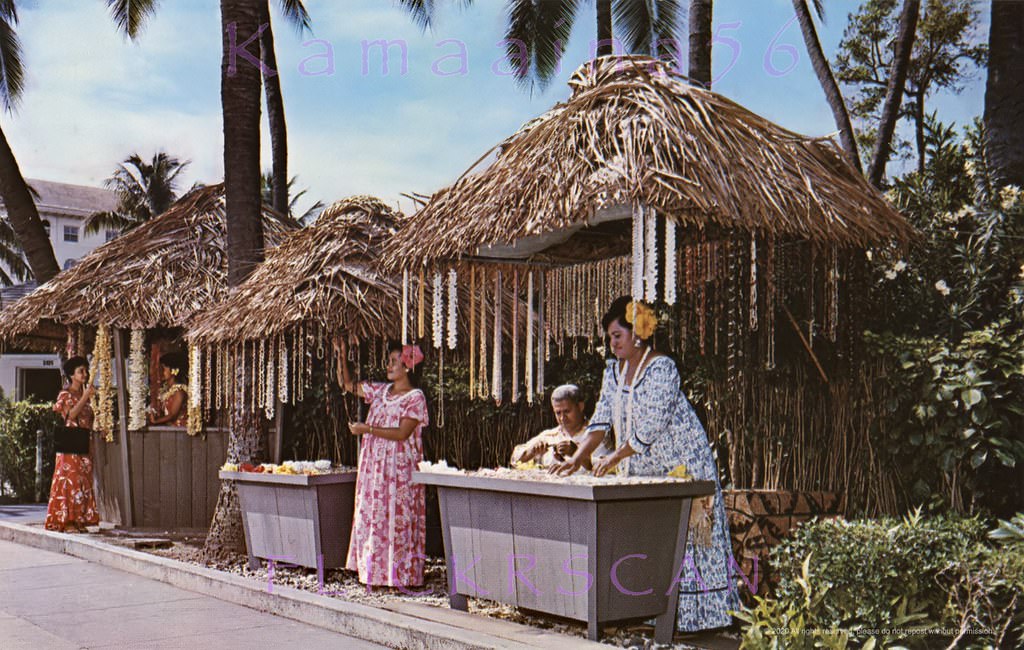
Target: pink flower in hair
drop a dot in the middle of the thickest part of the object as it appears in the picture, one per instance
(411, 356)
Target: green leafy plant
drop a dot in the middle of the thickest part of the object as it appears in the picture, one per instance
(19, 422)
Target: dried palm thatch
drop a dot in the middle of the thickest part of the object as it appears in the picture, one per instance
(158, 274)
(633, 131)
(324, 274)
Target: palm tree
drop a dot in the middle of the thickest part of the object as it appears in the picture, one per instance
(12, 260)
(1004, 93)
(825, 77)
(22, 215)
(297, 15)
(144, 190)
(537, 32)
(267, 191)
(894, 91)
(700, 43)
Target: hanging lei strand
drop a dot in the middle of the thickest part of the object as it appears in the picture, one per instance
(453, 309)
(195, 380)
(671, 268)
(104, 399)
(769, 303)
(529, 338)
(437, 311)
(650, 255)
(515, 336)
(421, 306)
(482, 377)
(496, 366)
(270, 392)
(637, 285)
(472, 333)
(138, 385)
(753, 283)
(832, 304)
(282, 365)
(544, 336)
(405, 306)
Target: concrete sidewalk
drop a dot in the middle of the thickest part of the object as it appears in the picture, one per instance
(55, 601)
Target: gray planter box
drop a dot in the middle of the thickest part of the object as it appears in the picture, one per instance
(296, 519)
(597, 554)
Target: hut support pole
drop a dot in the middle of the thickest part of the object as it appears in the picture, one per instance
(275, 450)
(128, 519)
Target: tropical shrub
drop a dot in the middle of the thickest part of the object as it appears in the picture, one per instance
(19, 422)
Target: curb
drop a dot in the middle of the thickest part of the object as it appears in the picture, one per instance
(403, 625)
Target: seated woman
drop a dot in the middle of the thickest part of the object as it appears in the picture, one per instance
(556, 445)
(173, 411)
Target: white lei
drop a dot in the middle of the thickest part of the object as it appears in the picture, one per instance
(625, 427)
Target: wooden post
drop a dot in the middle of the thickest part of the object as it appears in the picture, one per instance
(128, 518)
(275, 452)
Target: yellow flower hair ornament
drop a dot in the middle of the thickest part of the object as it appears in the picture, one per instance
(642, 318)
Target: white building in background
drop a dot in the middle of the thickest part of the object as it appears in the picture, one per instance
(63, 208)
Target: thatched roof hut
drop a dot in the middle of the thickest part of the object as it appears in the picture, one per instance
(158, 274)
(323, 275)
(634, 132)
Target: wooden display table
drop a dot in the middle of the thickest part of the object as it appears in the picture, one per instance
(296, 518)
(595, 553)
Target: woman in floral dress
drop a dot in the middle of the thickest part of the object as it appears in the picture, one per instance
(72, 504)
(174, 395)
(657, 430)
(389, 524)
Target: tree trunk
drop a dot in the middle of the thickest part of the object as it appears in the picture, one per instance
(828, 82)
(604, 27)
(240, 102)
(1004, 94)
(275, 115)
(700, 43)
(24, 217)
(894, 92)
(919, 130)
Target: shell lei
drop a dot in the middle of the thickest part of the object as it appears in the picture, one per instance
(529, 338)
(637, 284)
(453, 309)
(195, 399)
(515, 337)
(496, 365)
(138, 382)
(104, 400)
(671, 268)
(437, 311)
(650, 255)
(405, 306)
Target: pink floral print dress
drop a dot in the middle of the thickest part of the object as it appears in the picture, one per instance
(389, 524)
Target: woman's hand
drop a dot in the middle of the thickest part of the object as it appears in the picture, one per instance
(565, 448)
(566, 468)
(88, 392)
(358, 428)
(605, 464)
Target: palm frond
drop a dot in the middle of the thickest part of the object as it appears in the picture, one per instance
(819, 10)
(667, 27)
(11, 254)
(131, 15)
(635, 19)
(422, 11)
(98, 222)
(12, 71)
(536, 38)
(296, 15)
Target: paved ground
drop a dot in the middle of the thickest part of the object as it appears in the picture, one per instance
(58, 602)
(24, 513)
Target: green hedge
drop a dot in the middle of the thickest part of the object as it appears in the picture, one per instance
(19, 422)
(884, 583)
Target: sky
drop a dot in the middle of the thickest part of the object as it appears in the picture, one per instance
(93, 97)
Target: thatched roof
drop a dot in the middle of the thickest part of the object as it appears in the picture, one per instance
(324, 274)
(157, 274)
(635, 131)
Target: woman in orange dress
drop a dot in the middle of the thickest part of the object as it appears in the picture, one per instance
(174, 394)
(72, 504)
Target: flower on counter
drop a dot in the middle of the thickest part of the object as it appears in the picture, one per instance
(229, 467)
(680, 471)
(528, 465)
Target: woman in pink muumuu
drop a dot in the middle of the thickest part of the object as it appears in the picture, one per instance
(389, 525)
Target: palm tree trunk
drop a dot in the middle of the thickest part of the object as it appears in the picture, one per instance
(240, 103)
(700, 42)
(24, 217)
(1004, 94)
(828, 82)
(894, 92)
(275, 115)
(604, 27)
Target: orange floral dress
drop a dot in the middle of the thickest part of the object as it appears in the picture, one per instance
(72, 503)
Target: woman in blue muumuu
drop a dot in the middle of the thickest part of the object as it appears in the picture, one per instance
(657, 430)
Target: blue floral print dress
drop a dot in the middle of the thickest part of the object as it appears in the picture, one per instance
(664, 431)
